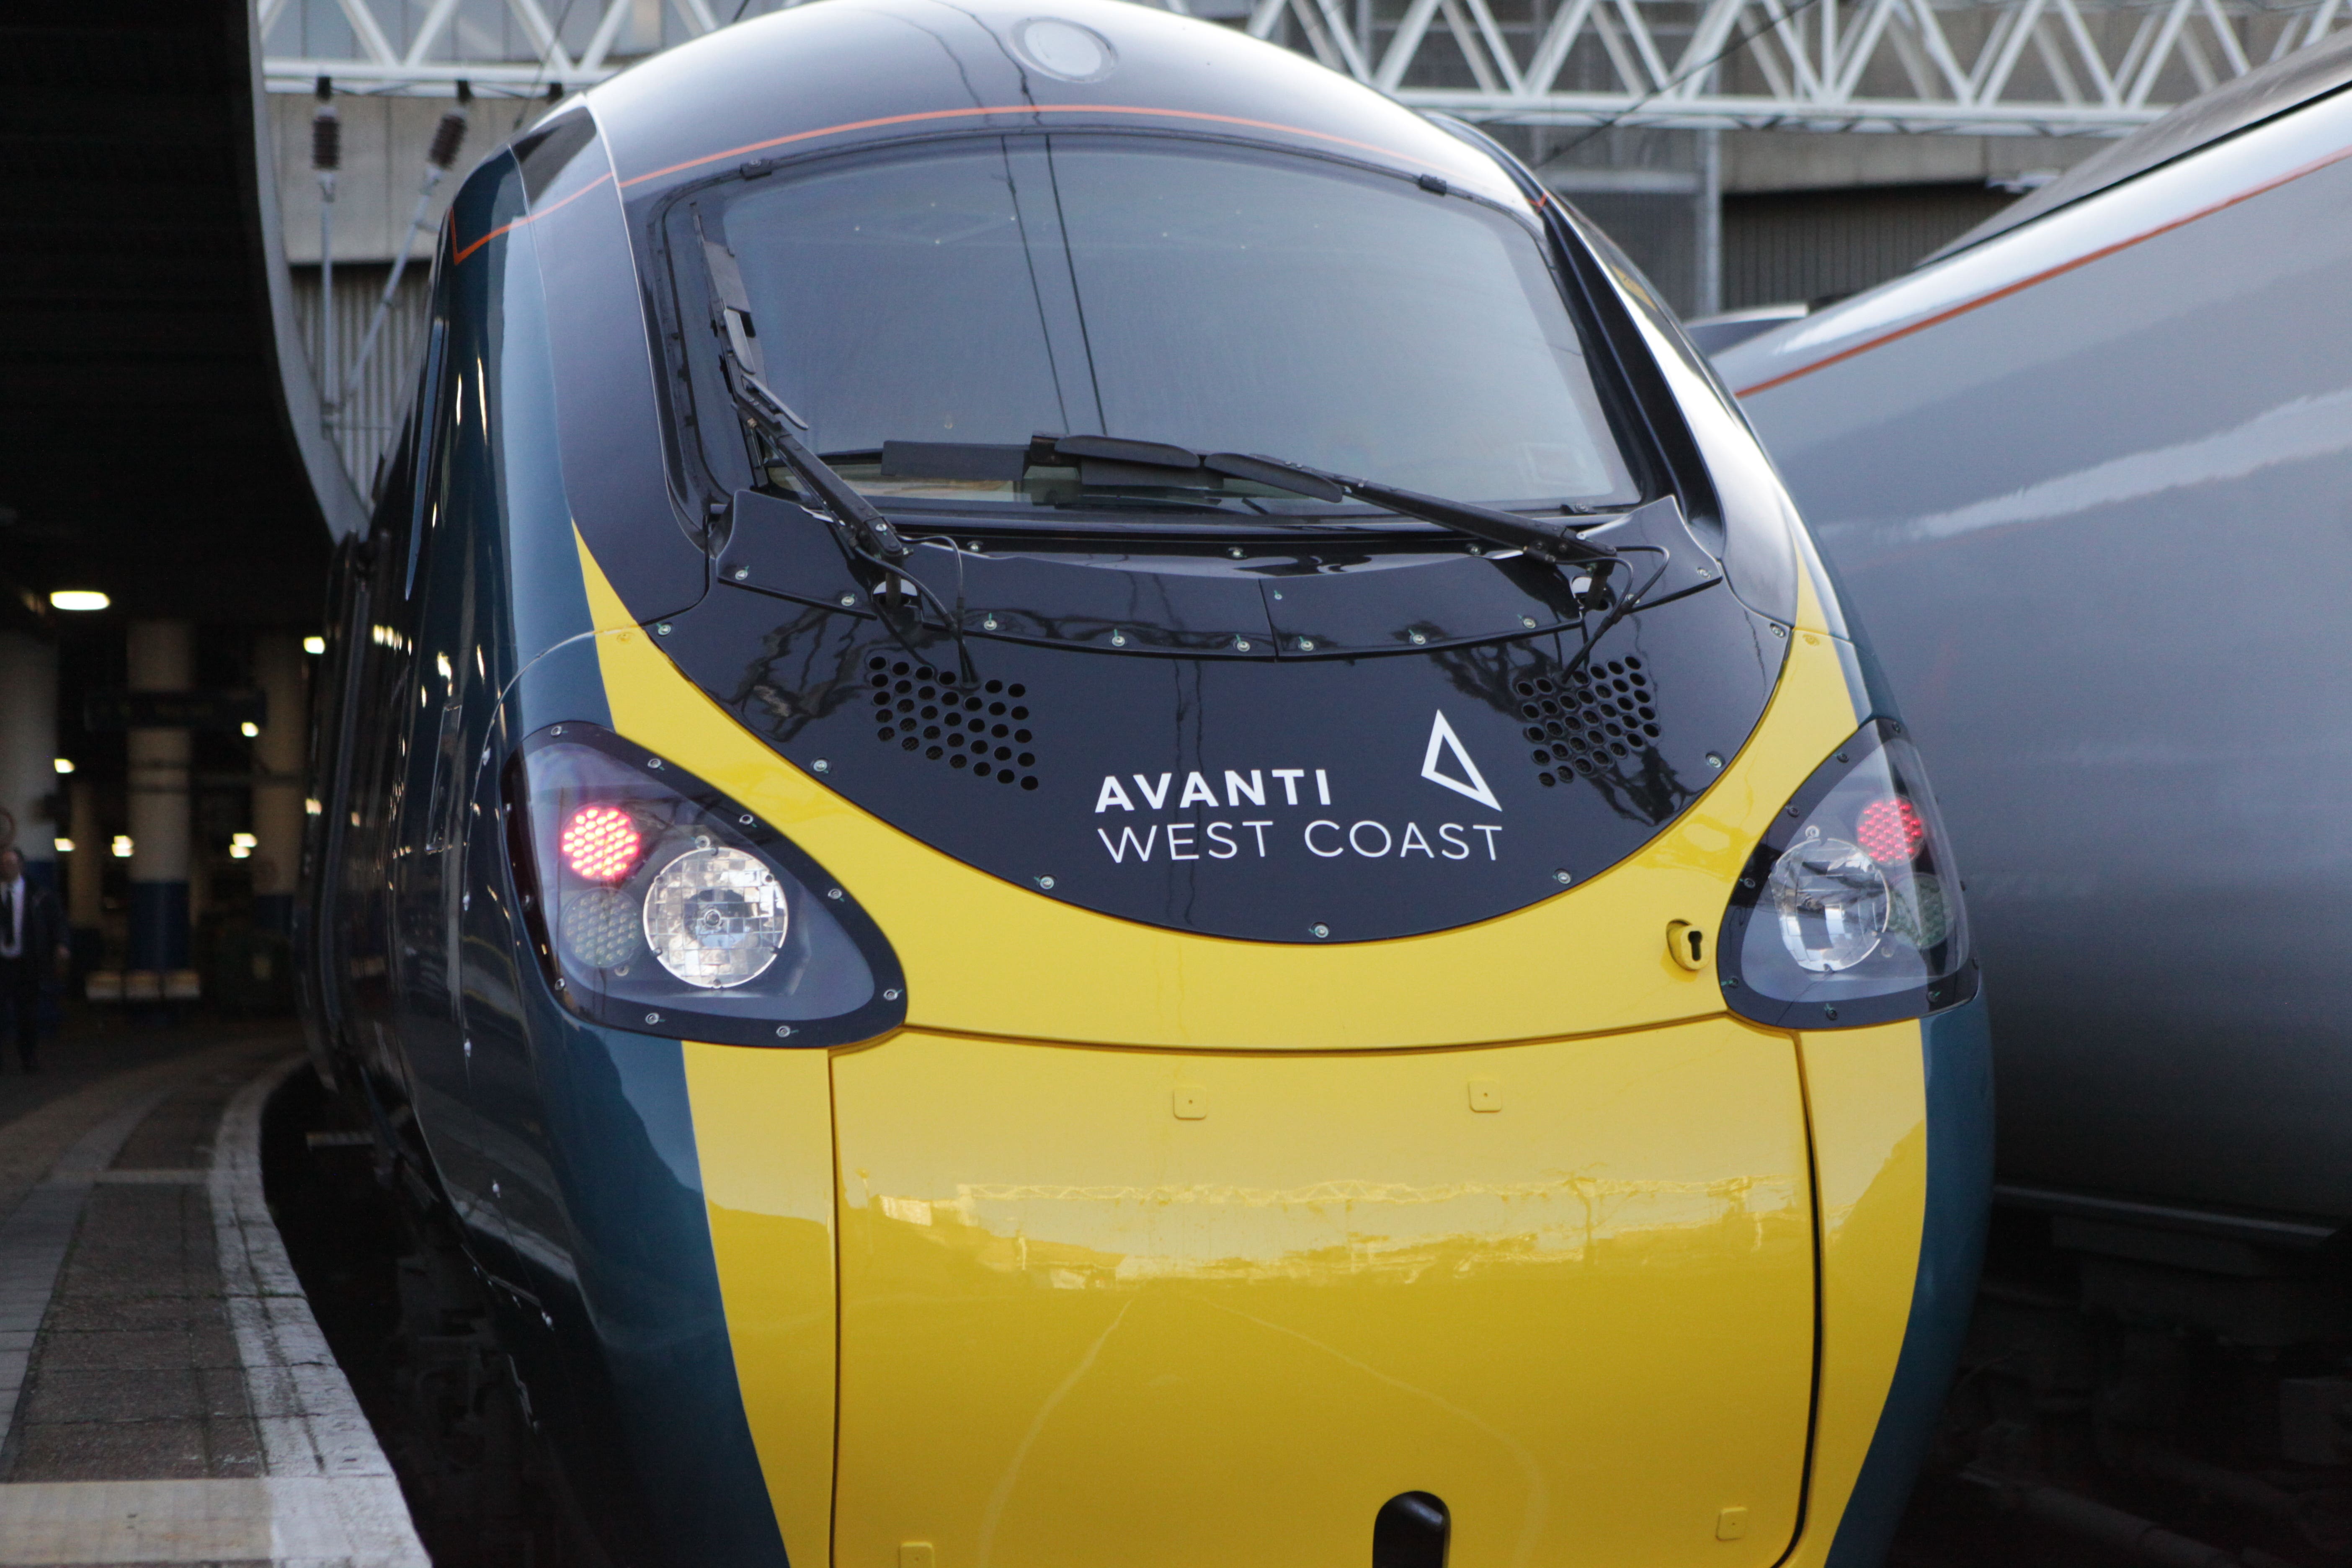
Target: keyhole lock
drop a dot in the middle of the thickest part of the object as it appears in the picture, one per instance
(1688, 945)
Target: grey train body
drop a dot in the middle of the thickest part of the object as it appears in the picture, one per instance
(2088, 480)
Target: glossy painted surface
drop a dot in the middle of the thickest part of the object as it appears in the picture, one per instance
(1955, 1098)
(2088, 500)
(1589, 960)
(1155, 1300)
(1865, 1092)
(764, 1130)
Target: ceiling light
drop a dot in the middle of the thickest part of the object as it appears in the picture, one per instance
(63, 765)
(78, 599)
(243, 840)
(314, 645)
(65, 846)
(249, 729)
(123, 846)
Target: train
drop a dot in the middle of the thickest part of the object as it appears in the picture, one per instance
(1080, 800)
(2086, 474)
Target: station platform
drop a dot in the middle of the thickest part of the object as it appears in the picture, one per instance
(165, 1394)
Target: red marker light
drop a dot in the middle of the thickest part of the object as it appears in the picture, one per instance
(1890, 830)
(601, 843)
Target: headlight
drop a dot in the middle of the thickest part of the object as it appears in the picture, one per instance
(658, 904)
(1849, 911)
(715, 917)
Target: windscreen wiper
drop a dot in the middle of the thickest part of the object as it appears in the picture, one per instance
(1558, 544)
(775, 420)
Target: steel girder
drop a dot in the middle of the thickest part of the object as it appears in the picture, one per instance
(1982, 67)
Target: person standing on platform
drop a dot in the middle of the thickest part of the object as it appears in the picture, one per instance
(32, 937)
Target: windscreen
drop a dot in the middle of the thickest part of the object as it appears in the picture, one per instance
(982, 291)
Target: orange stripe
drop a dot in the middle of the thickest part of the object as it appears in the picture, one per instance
(2044, 276)
(529, 218)
(1008, 108)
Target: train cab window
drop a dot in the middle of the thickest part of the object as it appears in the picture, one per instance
(929, 310)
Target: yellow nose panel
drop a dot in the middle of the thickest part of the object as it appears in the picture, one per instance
(1117, 1309)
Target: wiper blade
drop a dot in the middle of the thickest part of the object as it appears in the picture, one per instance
(1558, 544)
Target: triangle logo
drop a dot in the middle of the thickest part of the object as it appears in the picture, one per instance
(1443, 741)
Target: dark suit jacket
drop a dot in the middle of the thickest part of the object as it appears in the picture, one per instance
(44, 932)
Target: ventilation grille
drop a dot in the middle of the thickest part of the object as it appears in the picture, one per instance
(983, 731)
(1589, 721)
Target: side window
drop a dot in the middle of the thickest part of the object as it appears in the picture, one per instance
(433, 447)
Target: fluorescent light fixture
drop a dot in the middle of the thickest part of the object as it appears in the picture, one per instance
(249, 729)
(243, 840)
(63, 765)
(123, 846)
(78, 599)
(311, 806)
(65, 846)
(238, 852)
(314, 645)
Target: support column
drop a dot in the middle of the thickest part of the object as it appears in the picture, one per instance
(281, 670)
(1706, 296)
(28, 749)
(85, 871)
(160, 660)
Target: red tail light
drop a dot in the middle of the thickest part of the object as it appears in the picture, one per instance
(601, 843)
(1890, 831)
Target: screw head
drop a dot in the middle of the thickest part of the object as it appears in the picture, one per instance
(988, 623)
(654, 762)
(1307, 645)
(1046, 883)
(1119, 639)
(1715, 760)
(653, 1017)
(891, 995)
(784, 1031)
(1527, 621)
(661, 628)
(821, 765)
(1562, 877)
(1418, 637)
(834, 893)
(1779, 631)
(1241, 644)
(745, 819)
(741, 573)
(1319, 929)
(1829, 1013)
(848, 600)
(1235, 552)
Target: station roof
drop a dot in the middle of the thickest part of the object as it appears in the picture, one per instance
(145, 444)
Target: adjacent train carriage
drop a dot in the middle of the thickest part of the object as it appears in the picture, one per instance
(1087, 806)
(2087, 475)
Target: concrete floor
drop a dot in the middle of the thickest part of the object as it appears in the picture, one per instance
(164, 1397)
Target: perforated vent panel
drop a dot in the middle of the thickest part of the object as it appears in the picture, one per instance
(985, 731)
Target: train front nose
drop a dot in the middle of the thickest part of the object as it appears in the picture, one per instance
(1147, 1308)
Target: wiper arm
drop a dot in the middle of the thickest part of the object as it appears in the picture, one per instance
(1557, 544)
(769, 415)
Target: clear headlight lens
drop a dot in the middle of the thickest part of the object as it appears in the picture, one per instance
(658, 904)
(1849, 911)
(1832, 901)
(715, 917)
